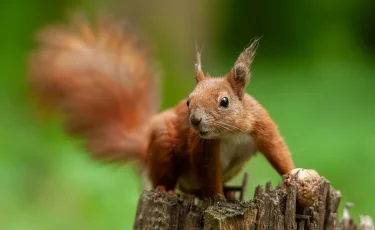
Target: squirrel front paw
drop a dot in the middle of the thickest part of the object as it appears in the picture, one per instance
(162, 188)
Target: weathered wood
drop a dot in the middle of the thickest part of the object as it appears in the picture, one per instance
(161, 210)
(301, 225)
(324, 188)
(258, 191)
(270, 209)
(229, 191)
(290, 210)
(243, 187)
(225, 215)
(366, 223)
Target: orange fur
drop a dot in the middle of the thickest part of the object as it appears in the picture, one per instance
(97, 78)
(105, 87)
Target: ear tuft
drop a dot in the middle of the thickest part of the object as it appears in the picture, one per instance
(239, 77)
(198, 68)
(247, 56)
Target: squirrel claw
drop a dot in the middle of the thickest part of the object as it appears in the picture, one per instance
(171, 191)
(160, 187)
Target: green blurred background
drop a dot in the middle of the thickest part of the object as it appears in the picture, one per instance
(314, 72)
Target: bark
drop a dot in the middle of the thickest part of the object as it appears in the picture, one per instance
(270, 209)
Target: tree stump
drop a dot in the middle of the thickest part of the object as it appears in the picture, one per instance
(270, 209)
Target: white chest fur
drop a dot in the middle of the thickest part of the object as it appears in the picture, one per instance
(235, 151)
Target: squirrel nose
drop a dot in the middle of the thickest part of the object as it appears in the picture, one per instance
(195, 120)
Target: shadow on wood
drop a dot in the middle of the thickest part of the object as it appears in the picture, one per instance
(270, 209)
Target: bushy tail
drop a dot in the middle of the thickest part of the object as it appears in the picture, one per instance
(103, 84)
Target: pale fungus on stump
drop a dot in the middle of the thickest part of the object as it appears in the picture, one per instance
(307, 183)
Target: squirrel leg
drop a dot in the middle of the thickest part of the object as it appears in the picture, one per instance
(206, 160)
(162, 171)
(272, 145)
(163, 165)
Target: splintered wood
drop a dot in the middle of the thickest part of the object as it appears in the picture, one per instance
(270, 209)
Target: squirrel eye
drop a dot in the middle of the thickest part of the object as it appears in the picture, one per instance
(187, 103)
(224, 102)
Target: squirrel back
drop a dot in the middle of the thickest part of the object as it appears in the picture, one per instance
(102, 83)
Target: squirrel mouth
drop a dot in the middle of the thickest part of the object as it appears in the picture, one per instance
(203, 133)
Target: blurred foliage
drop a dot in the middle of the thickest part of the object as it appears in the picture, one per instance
(314, 73)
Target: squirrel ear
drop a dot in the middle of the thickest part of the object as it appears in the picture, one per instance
(239, 76)
(198, 68)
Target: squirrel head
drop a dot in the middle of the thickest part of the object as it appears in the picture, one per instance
(216, 104)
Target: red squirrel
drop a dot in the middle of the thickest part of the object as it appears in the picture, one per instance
(105, 86)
